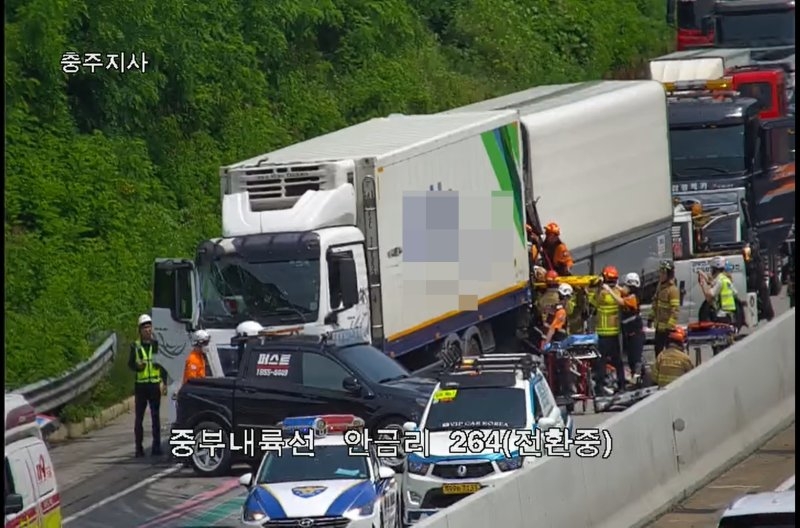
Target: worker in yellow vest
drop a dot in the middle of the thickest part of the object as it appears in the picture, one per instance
(607, 327)
(719, 291)
(149, 385)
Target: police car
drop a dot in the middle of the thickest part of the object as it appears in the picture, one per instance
(333, 488)
(472, 426)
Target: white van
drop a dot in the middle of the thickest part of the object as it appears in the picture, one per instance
(772, 509)
(31, 492)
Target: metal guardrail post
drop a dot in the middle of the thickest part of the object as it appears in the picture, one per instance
(50, 394)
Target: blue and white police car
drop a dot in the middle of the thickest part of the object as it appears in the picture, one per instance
(334, 488)
(499, 397)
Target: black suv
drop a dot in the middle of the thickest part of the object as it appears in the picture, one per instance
(298, 376)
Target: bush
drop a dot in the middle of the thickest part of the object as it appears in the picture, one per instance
(107, 170)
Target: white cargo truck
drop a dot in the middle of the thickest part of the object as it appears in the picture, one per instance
(406, 230)
(596, 161)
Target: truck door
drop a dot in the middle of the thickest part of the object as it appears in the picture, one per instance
(175, 313)
(774, 183)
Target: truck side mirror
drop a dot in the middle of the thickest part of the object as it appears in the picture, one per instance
(348, 282)
(671, 12)
(174, 288)
(707, 24)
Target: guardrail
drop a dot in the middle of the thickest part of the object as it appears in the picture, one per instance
(50, 394)
(664, 448)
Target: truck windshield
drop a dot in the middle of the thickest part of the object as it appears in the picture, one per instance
(234, 289)
(755, 29)
(478, 408)
(707, 150)
(762, 520)
(760, 91)
(330, 462)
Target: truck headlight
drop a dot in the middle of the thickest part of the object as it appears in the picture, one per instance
(362, 511)
(510, 464)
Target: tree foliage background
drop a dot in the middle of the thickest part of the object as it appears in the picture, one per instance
(106, 171)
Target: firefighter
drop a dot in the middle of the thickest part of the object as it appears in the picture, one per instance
(196, 365)
(557, 330)
(666, 305)
(607, 327)
(533, 244)
(554, 252)
(673, 362)
(549, 297)
(631, 321)
(719, 291)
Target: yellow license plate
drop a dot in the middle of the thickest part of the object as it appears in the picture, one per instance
(460, 489)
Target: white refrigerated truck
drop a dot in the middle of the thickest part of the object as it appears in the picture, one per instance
(407, 230)
(596, 161)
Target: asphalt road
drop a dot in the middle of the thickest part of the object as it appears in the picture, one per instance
(103, 485)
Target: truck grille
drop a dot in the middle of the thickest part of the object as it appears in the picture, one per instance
(271, 187)
(302, 522)
(474, 470)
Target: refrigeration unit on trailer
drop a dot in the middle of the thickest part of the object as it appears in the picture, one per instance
(405, 230)
(596, 161)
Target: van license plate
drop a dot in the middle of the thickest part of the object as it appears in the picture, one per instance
(460, 489)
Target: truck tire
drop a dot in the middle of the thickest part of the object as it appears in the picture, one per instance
(473, 347)
(202, 462)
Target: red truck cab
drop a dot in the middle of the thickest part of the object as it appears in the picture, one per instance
(766, 85)
(687, 17)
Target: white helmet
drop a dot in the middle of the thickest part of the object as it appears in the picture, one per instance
(718, 263)
(200, 337)
(249, 329)
(145, 319)
(565, 290)
(632, 280)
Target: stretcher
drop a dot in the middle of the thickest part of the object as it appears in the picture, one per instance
(581, 350)
(718, 336)
(576, 281)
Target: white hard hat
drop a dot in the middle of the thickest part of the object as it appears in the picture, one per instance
(565, 290)
(200, 336)
(249, 329)
(718, 263)
(145, 319)
(632, 280)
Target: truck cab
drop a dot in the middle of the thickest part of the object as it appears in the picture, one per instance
(761, 25)
(766, 85)
(718, 141)
(687, 18)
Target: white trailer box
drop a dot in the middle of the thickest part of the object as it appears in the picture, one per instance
(450, 227)
(596, 156)
(697, 65)
(429, 209)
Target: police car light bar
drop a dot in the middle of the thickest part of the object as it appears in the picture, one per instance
(726, 83)
(322, 425)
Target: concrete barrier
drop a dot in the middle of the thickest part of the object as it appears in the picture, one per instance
(664, 448)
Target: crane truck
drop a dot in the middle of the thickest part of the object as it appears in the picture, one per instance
(595, 160)
(406, 231)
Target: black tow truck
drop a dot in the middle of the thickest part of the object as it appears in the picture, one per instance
(719, 143)
(284, 376)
